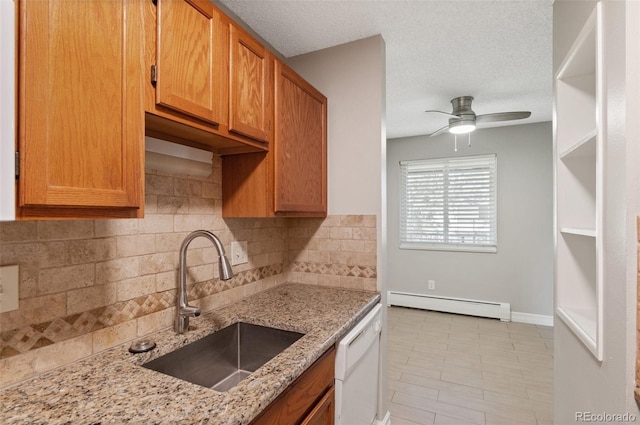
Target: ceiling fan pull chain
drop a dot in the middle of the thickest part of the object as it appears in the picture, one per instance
(455, 143)
(469, 136)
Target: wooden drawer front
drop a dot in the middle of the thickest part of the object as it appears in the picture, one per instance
(291, 407)
(324, 412)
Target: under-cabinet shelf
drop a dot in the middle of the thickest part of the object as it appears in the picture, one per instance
(584, 147)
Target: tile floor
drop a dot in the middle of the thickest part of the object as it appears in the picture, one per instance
(447, 369)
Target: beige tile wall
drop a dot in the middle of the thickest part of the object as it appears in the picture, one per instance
(337, 251)
(86, 286)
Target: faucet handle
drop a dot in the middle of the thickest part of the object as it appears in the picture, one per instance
(189, 311)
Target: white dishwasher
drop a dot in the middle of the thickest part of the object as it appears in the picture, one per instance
(357, 363)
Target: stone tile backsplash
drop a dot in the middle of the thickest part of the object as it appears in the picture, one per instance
(88, 285)
(337, 251)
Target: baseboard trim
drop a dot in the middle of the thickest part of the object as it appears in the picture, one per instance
(466, 306)
(532, 319)
(386, 420)
(495, 310)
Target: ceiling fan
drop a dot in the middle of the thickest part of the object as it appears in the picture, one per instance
(463, 120)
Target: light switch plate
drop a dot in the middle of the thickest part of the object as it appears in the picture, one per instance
(239, 253)
(8, 288)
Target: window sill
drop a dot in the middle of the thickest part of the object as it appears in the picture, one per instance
(447, 247)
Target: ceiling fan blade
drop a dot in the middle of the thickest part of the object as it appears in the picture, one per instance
(503, 116)
(442, 112)
(439, 131)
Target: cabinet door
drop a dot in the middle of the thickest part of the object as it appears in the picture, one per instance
(186, 65)
(250, 86)
(81, 116)
(300, 147)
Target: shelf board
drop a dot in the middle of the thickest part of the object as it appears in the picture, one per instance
(583, 324)
(581, 58)
(584, 147)
(579, 272)
(578, 231)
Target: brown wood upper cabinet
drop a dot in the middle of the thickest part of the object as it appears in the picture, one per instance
(81, 114)
(192, 95)
(186, 66)
(300, 148)
(291, 179)
(250, 86)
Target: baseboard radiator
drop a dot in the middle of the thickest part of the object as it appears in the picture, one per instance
(490, 309)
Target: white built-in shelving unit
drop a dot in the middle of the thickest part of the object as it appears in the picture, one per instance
(578, 167)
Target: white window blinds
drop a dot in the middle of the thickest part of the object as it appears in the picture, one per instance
(449, 203)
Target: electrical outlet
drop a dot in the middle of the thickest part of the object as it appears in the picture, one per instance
(431, 284)
(239, 253)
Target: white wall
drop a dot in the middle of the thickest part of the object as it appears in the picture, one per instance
(352, 76)
(632, 155)
(7, 112)
(521, 272)
(581, 382)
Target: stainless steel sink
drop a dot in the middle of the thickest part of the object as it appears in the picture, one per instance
(221, 360)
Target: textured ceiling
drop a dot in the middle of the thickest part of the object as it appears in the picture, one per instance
(496, 51)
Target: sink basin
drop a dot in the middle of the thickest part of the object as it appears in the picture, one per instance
(221, 360)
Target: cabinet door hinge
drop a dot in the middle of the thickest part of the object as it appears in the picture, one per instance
(154, 74)
(17, 164)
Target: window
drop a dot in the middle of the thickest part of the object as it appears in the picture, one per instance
(449, 204)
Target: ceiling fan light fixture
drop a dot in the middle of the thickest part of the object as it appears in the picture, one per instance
(462, 127)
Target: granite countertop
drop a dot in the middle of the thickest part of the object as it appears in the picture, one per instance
(111, 387)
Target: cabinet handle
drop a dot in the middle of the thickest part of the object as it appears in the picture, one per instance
(154, 74)
(17, 164)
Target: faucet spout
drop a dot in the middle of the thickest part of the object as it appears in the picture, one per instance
(183, 309)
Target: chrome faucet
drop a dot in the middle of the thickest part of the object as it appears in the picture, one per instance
(183, 309)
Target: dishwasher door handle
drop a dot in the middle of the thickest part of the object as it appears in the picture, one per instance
(356, 343)
(356, 337)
